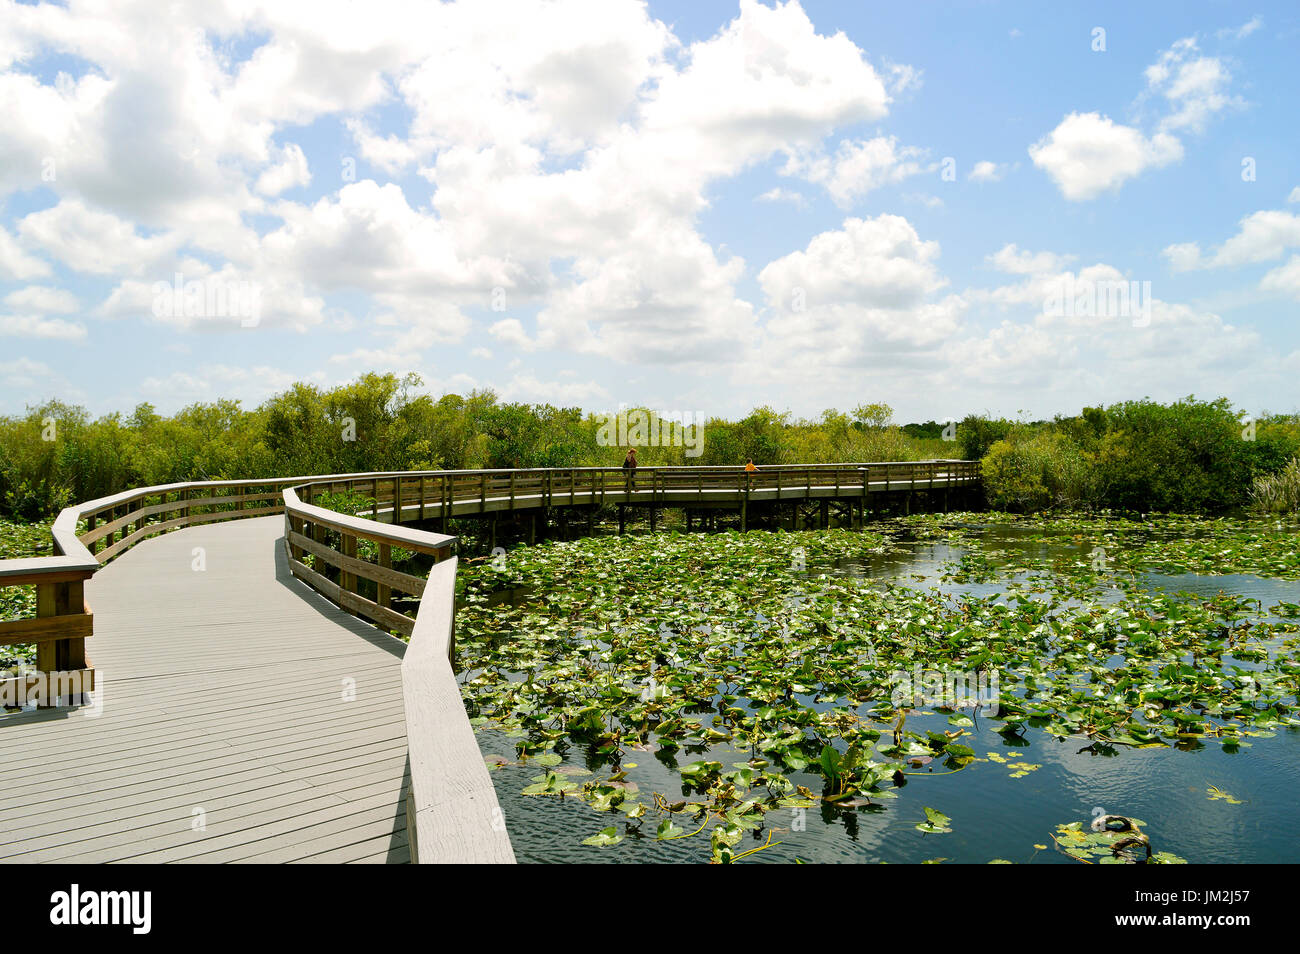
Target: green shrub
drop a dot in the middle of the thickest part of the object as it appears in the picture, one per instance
(976, 434)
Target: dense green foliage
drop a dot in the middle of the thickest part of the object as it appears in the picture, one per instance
(1190, 456)
(19, 602)
(56, 454)
(1186, 457)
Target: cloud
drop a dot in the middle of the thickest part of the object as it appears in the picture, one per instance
(779, 194)
(37, 298)
(859, 295)
(251, 385)
(1243, 31)
(568, 159)
(1015, 261)
(528, 387)
(1088, 154)
(1183, 256)
(1261, 236)
(986, 171)
(510, 332)
(664, 297)
(925, 199)
(290, 171)
(1193, 85)
(901, 78)
(36, 326)
(95, 242)
(1285, 279)
(15, 262)
(857, 167)
(25, 376)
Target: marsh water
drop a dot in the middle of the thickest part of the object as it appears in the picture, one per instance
(994, 814)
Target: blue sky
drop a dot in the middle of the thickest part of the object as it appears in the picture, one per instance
(695, 206)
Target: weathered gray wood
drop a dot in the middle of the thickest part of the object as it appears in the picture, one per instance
(228, 703)
(419, 540)
(221, 687)
(452, 809)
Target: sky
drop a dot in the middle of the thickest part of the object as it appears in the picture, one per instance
(1008, 208)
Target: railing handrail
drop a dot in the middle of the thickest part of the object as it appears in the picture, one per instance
(418, 540)
(451, 805)
(74, 560)
(452, 812)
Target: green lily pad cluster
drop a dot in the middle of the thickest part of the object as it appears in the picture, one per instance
(1118, 544)
(1111, 840)
(19, 602)
(767, 689)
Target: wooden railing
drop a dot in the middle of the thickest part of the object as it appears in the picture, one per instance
(330, 539)
(402, 497)
(452, 813)
(86, 536)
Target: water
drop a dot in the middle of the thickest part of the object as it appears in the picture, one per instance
(994, 816)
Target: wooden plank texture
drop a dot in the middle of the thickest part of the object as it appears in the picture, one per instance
(241, 718)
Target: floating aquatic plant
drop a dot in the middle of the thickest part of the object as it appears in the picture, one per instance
(767, 688)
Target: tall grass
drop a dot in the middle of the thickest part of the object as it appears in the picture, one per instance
(1279, 492)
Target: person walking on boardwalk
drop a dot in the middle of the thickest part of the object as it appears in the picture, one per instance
(749, 466)
(629, 465)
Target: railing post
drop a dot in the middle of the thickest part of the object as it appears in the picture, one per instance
(348, 547)
(444, 495)
(59, 655)
(385, 594)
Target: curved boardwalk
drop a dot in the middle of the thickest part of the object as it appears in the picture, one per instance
(239, 715)
(227, 732)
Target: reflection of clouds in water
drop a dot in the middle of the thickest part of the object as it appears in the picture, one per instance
(1167, 790)
(994, 815)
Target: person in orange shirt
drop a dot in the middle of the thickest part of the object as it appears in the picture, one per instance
(749, 466)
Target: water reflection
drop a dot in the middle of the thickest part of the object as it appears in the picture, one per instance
(994, 815)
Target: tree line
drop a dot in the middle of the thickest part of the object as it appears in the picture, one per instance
(1191, 455)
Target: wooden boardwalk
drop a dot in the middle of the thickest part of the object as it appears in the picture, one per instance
(244, 719)
(238, 713)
